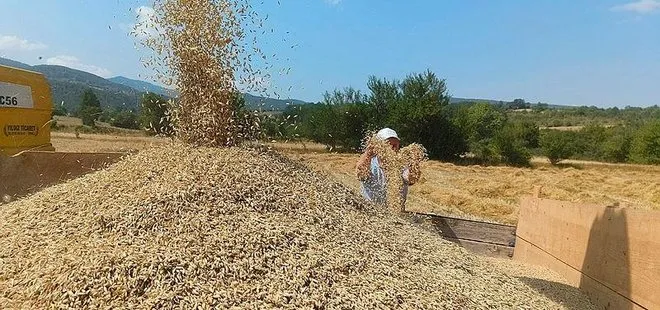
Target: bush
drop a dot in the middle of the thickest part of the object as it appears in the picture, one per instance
(558, 145)
(526, 132)
(60, 110)
(617, 146)
(510, 145)
(480, 123)
(645, 147)
(125, 119)
(590, 141)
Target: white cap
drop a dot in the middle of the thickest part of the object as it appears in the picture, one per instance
(387, 133)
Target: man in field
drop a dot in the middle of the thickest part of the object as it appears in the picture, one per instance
(372, 176)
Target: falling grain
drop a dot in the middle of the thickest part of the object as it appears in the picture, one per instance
(202, 48)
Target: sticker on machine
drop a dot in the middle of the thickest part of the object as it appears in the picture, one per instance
(20, 130)
(15, 96)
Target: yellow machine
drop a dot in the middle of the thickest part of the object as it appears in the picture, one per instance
(28, 161)
(25, 111)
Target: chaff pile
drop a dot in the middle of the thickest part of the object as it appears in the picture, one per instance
(182, 227)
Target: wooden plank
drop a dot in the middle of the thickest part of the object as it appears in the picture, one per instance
(456, 228)
(612, 246)
(485, 249)
(475, 236)
(597, 293)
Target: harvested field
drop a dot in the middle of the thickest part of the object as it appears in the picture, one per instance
(493, 193)
(72, 124)
(476, 192)
(177, 227)
(67, 142)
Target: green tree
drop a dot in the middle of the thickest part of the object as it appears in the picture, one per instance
(558, 145)
(324, 125)
(125, 119)
(339, 122)
(90, 108)
(540, 107)
(354, 125)
(510, 145)
(383, 95)
(60, 110)
(348, 95)
(590, 141)
(155, 115)
(419, 116)
(518, 104)
(246, 122)
(617, 146)
(645, 148)
(480, 122)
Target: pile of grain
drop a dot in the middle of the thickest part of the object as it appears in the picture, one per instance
(181, 227)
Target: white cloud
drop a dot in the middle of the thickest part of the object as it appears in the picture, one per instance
(74, 63)
(145, 26)
(16, 43)
(333, 2)
(641, 6)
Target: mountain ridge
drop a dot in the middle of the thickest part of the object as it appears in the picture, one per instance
(68, 84)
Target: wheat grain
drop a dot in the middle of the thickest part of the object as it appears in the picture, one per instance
(201, 228)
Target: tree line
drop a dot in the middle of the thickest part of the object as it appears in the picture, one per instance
(154, 114)
(418, 108)
(90, 112)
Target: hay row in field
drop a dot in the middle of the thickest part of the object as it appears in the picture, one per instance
(179, 227)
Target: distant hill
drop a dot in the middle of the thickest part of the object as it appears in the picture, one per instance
(463, 100)
(143, 86)
(15, 64)
(270, 104)
(252, 101)
(495, 102)
(67, 86)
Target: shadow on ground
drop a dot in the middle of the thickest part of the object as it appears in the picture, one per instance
(568, 296)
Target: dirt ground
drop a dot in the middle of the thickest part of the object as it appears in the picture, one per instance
(485, 193)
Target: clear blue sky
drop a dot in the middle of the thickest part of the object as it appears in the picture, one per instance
(604, 53)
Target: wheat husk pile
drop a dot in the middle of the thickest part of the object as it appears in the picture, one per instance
(181, 227)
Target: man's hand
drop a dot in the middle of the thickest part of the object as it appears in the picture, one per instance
(363, 166)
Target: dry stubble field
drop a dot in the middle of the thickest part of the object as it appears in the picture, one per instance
(493, 193)
(486, 193)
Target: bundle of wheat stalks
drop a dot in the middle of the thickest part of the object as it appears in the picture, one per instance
(185, 228)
